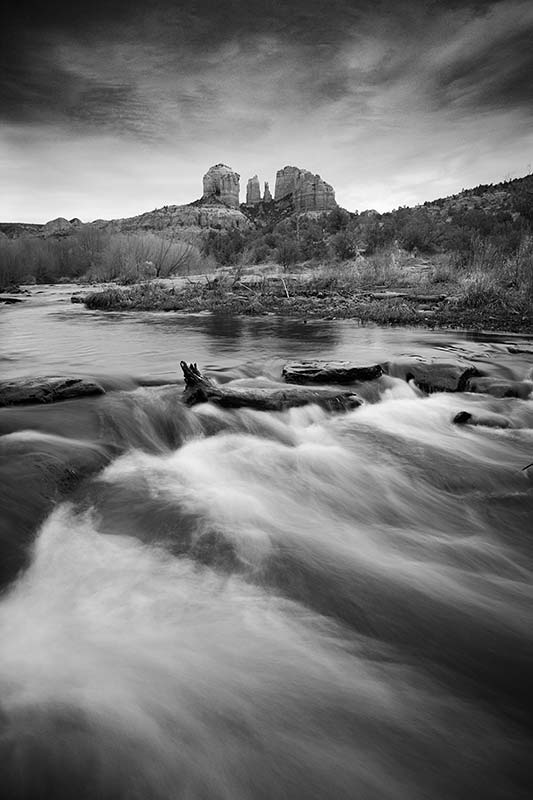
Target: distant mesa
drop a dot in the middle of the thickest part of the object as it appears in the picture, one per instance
(219, 208)
(297, 190)
(221, 184)
(310, 192)
(307, 192)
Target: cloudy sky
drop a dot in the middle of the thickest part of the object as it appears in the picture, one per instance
(115, 107)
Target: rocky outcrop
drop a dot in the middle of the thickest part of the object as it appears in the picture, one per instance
(313, 194)
(48, 389)
(58, 225)
(222, 183)
(189, 223)
(267, 197)
(253, 191)
(310, 192)
(286, 179)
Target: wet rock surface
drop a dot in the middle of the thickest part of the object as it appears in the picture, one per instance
(433, 376)
(500, 388)
(329, 372)
(46, 389)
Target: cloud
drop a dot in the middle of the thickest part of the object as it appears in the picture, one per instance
(392, 102)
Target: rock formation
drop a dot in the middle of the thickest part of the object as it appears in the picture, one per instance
(267, 197)
(222, 183)
(310, 192)
(313, 194)
(253, 191)
(286, 181)
(59, 225)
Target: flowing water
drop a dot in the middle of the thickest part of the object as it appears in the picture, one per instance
(231, 605)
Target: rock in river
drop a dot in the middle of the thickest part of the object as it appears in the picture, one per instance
(46, 389)
(433, 376)
(329, 372)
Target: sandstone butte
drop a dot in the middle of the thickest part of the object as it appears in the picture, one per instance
(219, 208)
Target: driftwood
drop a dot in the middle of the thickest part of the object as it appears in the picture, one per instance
(199, 389)
(329, 372)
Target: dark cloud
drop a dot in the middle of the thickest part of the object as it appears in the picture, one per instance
(494, 75)
(189, 36)
(374, 87)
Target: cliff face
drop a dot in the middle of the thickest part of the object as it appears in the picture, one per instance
(310, 192)
(286, 181)
(253, 191)
(222, 183)
(313, 194)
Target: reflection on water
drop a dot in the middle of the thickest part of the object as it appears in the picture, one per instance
(47, 334)
(239, 605)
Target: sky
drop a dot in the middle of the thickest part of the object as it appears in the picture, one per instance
(112, 108)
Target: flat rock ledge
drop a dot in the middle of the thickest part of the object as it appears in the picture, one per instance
(329, 372)
(46, 389)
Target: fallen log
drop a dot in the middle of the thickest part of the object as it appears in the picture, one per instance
(199, 389)
(329, 372)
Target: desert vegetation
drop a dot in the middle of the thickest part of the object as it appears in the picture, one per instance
(465, 260)
(95, 256)
(390, 286)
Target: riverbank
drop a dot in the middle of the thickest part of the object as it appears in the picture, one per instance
(420, 295)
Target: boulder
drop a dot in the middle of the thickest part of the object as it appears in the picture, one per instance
(46, 389)
(432, 376)
(329, 372)
(500, 388)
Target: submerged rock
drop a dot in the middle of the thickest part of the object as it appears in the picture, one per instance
(433, 376)
(329, 372)
(486, 418)
(46, 389)
(500, 388)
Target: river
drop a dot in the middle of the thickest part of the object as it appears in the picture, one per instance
(239, 605)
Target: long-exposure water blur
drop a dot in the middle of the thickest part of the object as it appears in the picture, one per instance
(215, 604)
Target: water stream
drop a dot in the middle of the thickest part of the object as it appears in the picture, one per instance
(236, 605)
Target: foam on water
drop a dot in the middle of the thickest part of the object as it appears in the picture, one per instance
(295, 605)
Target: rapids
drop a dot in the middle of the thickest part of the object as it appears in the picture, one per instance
(239, 605)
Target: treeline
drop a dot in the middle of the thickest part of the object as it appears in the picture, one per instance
(96, 256)
(496, 219)
(455, 228)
